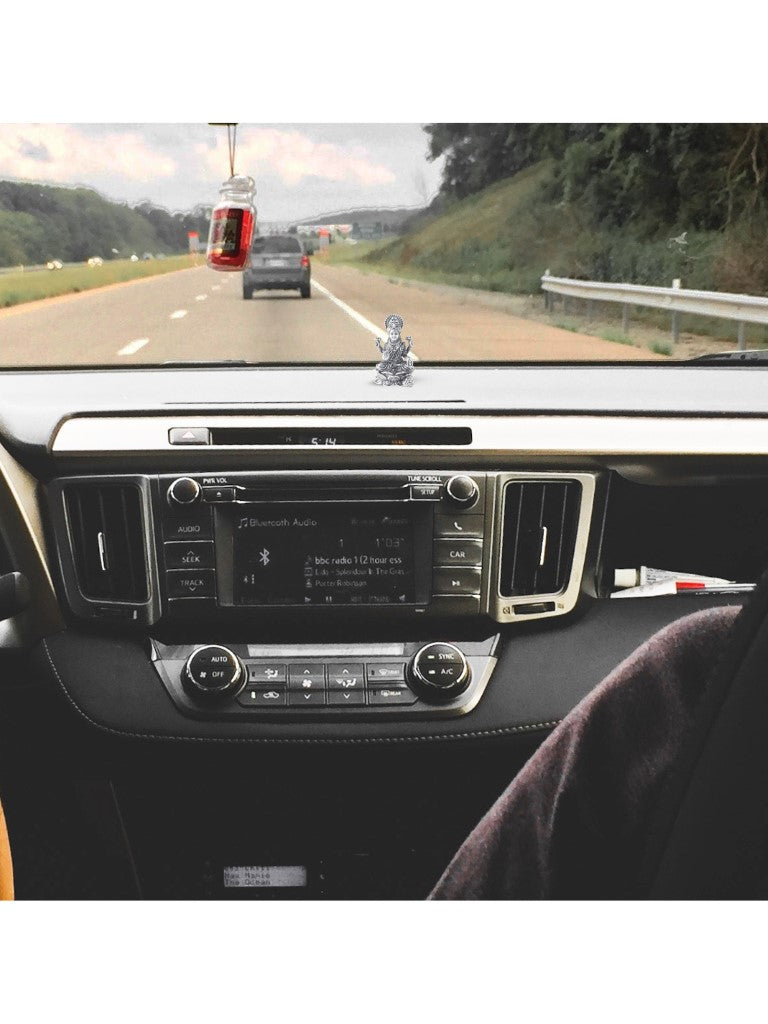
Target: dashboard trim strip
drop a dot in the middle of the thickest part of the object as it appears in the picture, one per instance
(534, 435)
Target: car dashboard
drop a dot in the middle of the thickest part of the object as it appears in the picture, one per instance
(247, 579)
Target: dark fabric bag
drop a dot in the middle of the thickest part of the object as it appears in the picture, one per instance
(619, 800)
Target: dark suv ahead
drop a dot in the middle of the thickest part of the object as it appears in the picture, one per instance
(277, 261)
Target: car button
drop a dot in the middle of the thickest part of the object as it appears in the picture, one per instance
(251, 698)
(456, 580)
(426, 492)
(218, 494)
(458, 552)
(459, 525)
(346, 676)
(454, 604)
(195, 526)
(190, 583)
(306, 699)
(337, 682)
(265, 672)
(307, 670)
(346, 698)
(382, 695)
(189, 435)
(306, 684)
(385, 673)
(195, 555)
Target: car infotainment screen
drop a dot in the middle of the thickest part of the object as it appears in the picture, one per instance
(325, 554)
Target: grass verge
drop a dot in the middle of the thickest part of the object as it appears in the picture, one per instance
(29, 286)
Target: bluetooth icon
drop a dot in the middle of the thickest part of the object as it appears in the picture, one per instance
(264, 556)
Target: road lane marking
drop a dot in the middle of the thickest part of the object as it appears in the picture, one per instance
(377, 332)
(215, 287)
(133, 346)
(177, 314)
(200, 298)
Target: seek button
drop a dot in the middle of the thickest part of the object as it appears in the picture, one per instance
(196, 555)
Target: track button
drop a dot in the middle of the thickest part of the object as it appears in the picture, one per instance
(184, 583)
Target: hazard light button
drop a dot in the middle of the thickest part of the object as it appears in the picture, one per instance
(189, 435)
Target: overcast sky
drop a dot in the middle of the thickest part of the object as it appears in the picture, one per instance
(301, 170)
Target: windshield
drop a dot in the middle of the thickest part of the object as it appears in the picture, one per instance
(122, 244)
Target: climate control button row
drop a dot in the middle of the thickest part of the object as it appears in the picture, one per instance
(437, 673)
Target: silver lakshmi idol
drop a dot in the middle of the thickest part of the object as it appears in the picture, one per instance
(396, 366)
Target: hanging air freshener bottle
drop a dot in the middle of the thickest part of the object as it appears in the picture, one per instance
(232, 219)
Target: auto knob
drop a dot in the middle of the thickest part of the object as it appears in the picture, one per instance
(462, 491)
(184, 491)
(439, 672)
(212, 672)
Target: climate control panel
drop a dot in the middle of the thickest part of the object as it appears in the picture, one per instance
(426, 679)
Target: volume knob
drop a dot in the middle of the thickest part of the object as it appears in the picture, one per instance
(184, 491)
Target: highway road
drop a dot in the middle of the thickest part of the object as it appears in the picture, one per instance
(200, 314)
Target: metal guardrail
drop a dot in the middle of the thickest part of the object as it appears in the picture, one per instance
(20, 270)
(742, 309)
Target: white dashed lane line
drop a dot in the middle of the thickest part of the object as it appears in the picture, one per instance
(377, 332)
(200, 298)
(133, 346)
(177, 314)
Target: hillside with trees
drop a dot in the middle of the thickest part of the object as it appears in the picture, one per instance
(614, 202)
(43, 222)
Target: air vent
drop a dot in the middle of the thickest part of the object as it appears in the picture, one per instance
(540, 523)
(106, 527)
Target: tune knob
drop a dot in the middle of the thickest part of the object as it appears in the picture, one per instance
(184, 491)
(462, 491)
(212, 672)
(439, 672)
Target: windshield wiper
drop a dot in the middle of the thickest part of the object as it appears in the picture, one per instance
(752, 355)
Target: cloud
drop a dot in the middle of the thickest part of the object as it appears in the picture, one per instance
(35, 151)
(294, 156)
(68, 155)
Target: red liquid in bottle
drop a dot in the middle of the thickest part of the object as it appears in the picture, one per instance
(229, 240)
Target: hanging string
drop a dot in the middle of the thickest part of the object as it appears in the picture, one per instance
(232, 141)
(231, 127)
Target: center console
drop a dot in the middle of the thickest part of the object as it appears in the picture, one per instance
(240, 581)
(363, 541)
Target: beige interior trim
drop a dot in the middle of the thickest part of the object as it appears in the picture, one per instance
(24, 537)
(526, 435)
(6, 865)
